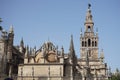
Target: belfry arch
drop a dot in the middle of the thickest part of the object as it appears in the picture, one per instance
(89, 42)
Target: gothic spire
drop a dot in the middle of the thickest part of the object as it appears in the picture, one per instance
(102, 55)
(71, 44)
(1, 20)
(81, 32)
(89, 22)
(89, 15)
(11, 29)
(71, 49)
(62, 51)
(26, 53)
(22, 43)
(0, 23)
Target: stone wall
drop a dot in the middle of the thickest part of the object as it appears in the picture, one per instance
(37, 71)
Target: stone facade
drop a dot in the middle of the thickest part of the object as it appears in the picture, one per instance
(49, 63)
(10, 55)
(89, 48)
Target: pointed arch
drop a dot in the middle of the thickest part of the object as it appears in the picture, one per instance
(89, 28)
(89, 42)
(85, 44)
(82, 43)
(92, 43)
(95, 43)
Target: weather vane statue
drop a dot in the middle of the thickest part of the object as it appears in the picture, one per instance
(89, 5)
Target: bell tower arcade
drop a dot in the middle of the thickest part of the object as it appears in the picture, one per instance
(89, 39)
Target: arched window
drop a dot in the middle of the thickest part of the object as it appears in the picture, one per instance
(89, 29)
(89, 42)
(82, 43)
(85, 43)
(95, 43)
(92, 43)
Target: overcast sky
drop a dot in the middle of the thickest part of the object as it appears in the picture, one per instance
(38, 21)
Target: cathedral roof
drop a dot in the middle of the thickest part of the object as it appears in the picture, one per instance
(46, 49)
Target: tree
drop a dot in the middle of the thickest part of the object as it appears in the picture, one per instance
(116, 75)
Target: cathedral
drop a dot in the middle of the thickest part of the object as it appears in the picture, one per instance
(49, 63)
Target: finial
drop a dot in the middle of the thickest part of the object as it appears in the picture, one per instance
(102, 55)
(11, 29)
(62, 47)
(1, 20)
(89, 5)
(81, 29)
(96, 29)
(71, 43)
(109, 68)
(71, 36)
(28, 47)
(81, 32)
(22, 42)
(62, 52)
(48, 39)
(1, 26)
(27, 51)
(57, 47)
(35, 48)
(102, 50)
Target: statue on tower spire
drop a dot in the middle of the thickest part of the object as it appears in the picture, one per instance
(88, 21)
(89, 15)
(89, 5)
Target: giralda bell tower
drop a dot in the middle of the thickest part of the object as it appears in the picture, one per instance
(89, 39)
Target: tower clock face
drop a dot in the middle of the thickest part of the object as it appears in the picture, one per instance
(51, 57)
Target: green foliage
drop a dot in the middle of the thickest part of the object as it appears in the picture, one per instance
(116, 76)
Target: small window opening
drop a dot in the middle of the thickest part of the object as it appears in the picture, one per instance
(95, 43)
(82, 43)
(89, 42)
(89, 29)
